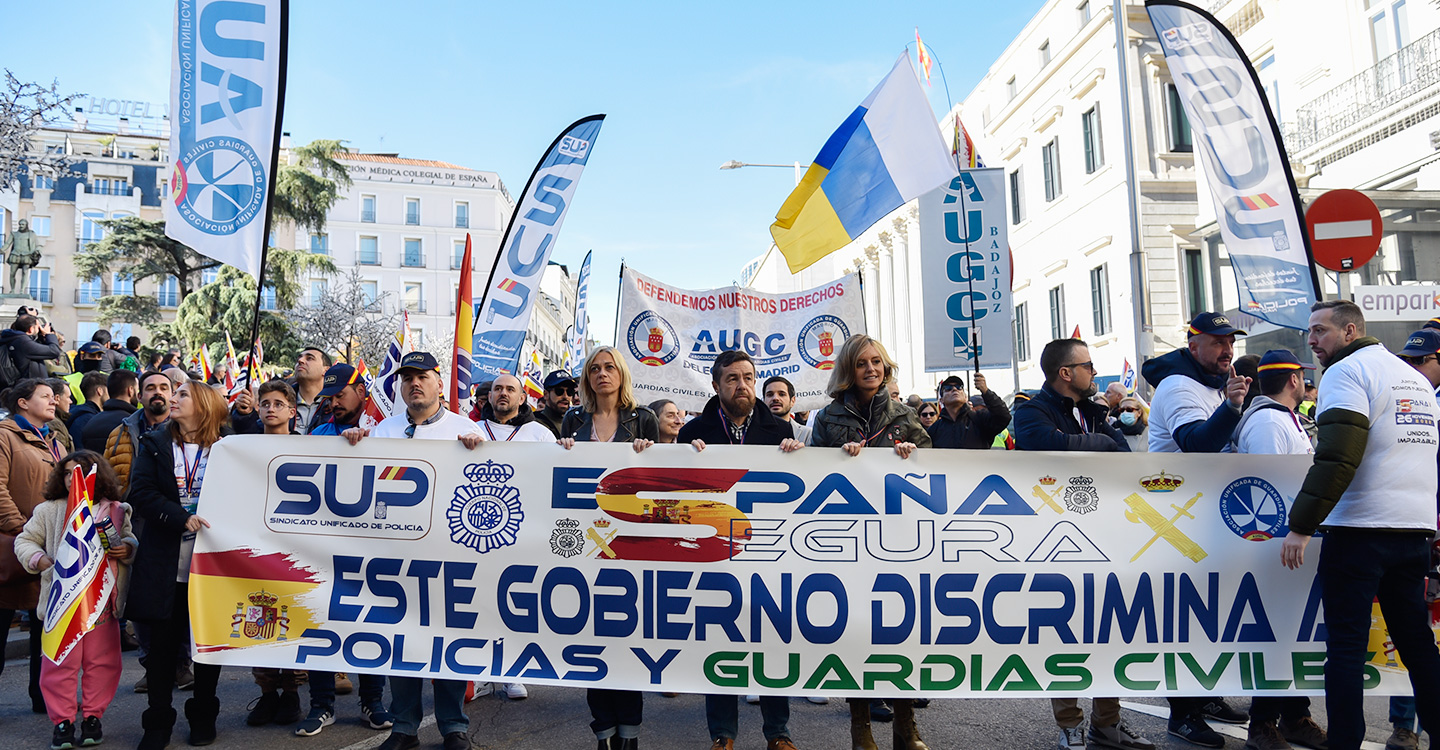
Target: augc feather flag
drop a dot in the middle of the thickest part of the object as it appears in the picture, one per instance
(887, 152)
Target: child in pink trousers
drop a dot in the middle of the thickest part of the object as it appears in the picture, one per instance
(98, 652)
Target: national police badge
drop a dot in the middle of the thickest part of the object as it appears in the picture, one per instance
(486, 513)
(1080, 495)
(566, 540)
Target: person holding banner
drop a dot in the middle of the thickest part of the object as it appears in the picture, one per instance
(608, 414)
(733, 416)
(27, 454)
(671, 419)
(1062, 417)
(961, 425)
(424, 418)
(97, 653)
(862, 415)
(165, 481)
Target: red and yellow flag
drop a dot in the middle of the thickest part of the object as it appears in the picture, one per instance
(240, 598)
(461, 363)
(924, 55)
(83, 577)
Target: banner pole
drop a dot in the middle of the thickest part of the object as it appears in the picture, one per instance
(270, 199)
(619, 290)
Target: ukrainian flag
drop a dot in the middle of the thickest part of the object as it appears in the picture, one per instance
(888, 152)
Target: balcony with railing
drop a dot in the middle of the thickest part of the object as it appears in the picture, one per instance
(1412, 70)
(369, 258)
(412, 216)
(88, 295)
(415, 306)
(457, 261)
(167, 297)
(413, 259)
(41, 294)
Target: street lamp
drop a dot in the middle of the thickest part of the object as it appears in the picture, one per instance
(799, 168)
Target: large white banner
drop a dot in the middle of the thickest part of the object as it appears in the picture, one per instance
(1396, 303)
(746, 570)
(965, 273)
(226, 86)
(670, 337)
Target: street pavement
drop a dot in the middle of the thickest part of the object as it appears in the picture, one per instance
(555, 718)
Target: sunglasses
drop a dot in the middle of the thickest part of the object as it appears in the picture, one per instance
(1130, 408)
(924, 414)
(566, 391)
(410, 431)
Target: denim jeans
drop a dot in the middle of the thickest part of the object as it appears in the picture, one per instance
(322, 690)
(1357, 566)
(408, 706)
(1402, 711)
(722, 714)
(1273, 708)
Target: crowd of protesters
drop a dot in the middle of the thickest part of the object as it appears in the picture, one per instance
(148, 432)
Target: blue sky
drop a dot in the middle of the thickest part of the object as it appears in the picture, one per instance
(686, 87)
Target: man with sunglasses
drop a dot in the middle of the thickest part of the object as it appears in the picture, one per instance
(961, 426)
(559, 397)
(1196, 409)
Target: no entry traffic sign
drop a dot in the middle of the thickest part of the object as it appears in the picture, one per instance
(1345, 228)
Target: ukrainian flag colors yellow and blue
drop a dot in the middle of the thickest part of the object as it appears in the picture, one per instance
(887, 152)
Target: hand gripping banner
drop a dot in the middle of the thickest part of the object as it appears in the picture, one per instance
(745, 570)
(1246, 167)
(503, 312)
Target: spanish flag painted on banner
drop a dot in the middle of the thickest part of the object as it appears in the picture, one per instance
(239, 599)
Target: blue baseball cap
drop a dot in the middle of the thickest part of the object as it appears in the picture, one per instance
(418, 361)
(90, 347)
(558, 378)
(1433, 324)
(1281, 359)
(1213, 323)
(1422, 343)
(336, 378)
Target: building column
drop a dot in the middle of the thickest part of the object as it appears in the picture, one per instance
(870, 272)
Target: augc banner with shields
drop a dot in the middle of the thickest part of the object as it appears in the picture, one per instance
(747, 570)
(670, 337)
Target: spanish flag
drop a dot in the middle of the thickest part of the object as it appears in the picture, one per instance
(461, 363)
(240, 599)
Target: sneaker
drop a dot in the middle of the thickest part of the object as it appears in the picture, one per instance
(184, 678)
(343, 685)
(1195, 731)
(475, 690)
(780, 743)
(128, 642)
(456, 741)
(64, 736)
(90, 734)
(142, 685)
(289, 710)
(1263, 735)
(1221, 711)
(375, 715)
(880, 711)
(1119, 736)
(398, 741)
(263, 709)
(818, 700)
(752, 699)
(1072, 738)
(316, 722)
(920, 702)
(514, 691)
(1305, 733)
(1402, 739)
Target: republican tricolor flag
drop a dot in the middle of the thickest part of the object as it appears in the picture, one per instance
(83, 577)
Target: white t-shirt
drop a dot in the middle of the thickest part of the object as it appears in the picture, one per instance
(1178, 401)
(530, 432)
(448, 427)
(190, 461)
(1274, 431)
(1394, 486)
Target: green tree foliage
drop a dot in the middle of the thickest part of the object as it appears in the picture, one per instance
(309, 185)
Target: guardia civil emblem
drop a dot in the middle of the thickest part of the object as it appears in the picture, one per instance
(566, 540)
(485, 514)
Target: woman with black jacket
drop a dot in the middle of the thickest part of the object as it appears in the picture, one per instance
(165, 485)
(608, 414)
(863, 415)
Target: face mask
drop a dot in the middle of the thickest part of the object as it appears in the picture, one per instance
(1128, 418)
(87, 365)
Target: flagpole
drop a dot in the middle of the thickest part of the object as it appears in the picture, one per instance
(619, 290)
(270, 196)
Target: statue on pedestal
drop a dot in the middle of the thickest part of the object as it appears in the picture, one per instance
(22, 253)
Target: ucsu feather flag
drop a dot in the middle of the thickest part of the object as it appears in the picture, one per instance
(227, 90)
(83, 579)
(888, 152)
(382, 388)
(580, 331)
(1239, 145)
(460, 363)
(503, 313)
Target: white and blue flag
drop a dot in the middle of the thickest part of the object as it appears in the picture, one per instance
(580, 331)
(503, 311)
(226, 96)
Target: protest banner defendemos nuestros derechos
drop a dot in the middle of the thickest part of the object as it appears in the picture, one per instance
(670, 337)
(752, 571)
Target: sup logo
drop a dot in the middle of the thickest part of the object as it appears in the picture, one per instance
(820, 339)
(486, 514)
(652, 340)
(1253, 509)
(356, 497)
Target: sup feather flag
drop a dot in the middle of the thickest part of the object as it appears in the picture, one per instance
(888, 152)
(461, 363)
(83, 579)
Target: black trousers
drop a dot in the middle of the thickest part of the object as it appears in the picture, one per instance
(37, 626)
(614, 708)
(167, 638)
(1272, 708)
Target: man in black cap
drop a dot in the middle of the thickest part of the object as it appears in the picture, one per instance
(347, 394)
(1195, 409)
(734, 416)
(962, 426)
(560, 394)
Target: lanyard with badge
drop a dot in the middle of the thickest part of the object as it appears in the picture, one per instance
(491, 433)
(188, 486)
